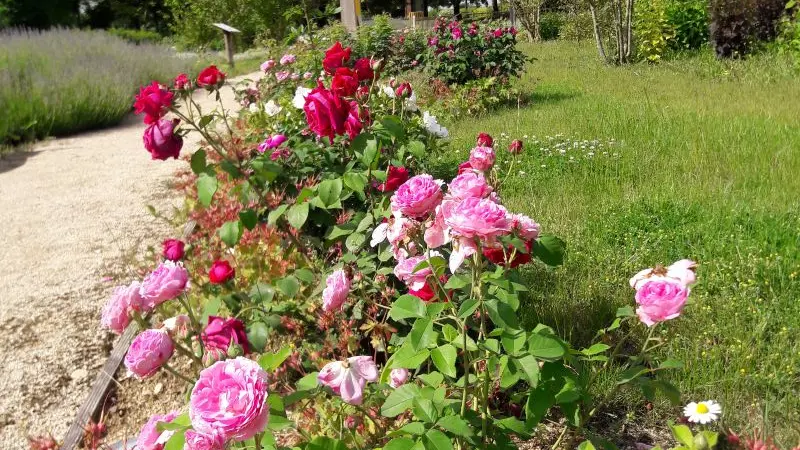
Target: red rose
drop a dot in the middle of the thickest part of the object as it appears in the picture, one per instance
(428, 292)
(404, 90)
(220, 272)
(463, 167)
(326, 112)
(515, 147)
(484, 140)
(395, 176)
(161, 141)
(497, 256)
(210, 78)
(173, 249)
(182, 82)
(154, 101)
(345, 82)
(364, 70)
(221, 333)
(335, 57)
(356, 119)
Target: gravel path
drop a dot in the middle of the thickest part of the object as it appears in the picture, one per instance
(73, 212)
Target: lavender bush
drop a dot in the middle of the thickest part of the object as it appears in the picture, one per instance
(62, 81)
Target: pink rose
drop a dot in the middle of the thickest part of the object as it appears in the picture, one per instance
(177, 326)
(161, 141)
(404, 90)
(173, 249)
(468, 184)
(348, 378)
(660, 299)
(150, 350)
(398, 377)
(525, 227)
(482, 158)
(404, 271)
(182, 82)
(267, 65)
(477, 217)
(230, 398)
(344, 82)
(417, 197)
(337, 288)
(288, 59)
(116, 312)
(153, 101)
(457, 33)
(326, 112)
(308, 75)
(335, 57)
(200, 441)
(150, 438)
(221, 333)
(464, 167)
(683, 271)
(165, 283)
(210, 78)
(485, 140)
(272, 142)
(282, 76)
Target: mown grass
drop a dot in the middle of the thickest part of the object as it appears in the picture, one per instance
(63, 81)
(708, 157)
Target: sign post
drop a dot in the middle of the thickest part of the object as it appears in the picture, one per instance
(228, 31)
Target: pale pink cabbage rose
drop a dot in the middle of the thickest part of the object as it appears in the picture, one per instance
(266, 66)
(202, 441)
(116, 312)
(404, 271)
(477, 217)
(230, 399)
(150, 350)
(337, 288)
(348, 378)
(482, 158)
(682, 271)
(162, 284)
(469, 184)
(398, 377)
(396, 230)
(283, 75)
(288, 59)
(437, 233)
(463, 248)
(417, 197)
(150, 438)
(660, 298)
(525, 227)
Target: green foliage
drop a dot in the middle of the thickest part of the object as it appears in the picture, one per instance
(652, 30)
(136, 36)
(63, 81)
(550, 25)
(577, 26)
(788, 41)
(375, 39)
(688, 20)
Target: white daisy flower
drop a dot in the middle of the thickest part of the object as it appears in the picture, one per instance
(702, 412)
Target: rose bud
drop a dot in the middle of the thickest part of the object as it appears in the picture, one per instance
(221, 272)
(173, 249)
(485, 140)
(515, 147)
(403, 91)
(210, 78)
(182, 82)
(161, 141)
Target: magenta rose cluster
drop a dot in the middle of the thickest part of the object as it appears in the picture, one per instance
(661, 292)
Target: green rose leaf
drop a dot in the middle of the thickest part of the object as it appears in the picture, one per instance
(198, 162)
(400, 400)
(330, 191)
(407, 306)
(550, 250)
(231, 232)
(206, 187)
(436, 440)
(297, 215)
(444, 358)
(249, 218)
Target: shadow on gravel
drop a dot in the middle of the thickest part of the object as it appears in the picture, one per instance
(16, 158)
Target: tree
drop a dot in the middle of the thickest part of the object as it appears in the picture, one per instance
(616, 16)
(528, 12)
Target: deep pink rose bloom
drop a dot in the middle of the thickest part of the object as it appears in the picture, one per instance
(348, 378)
(525, 227)
(426, 294)
(355, 119)
(660, 299)
(417, 197)
(272, 142)
(404, 271)
(221, 272)
(150, 438)
(515, 147)
(153, 101)
(268, 65)
(398, 377)
(337, 288)
(395, 177)
(404, 90)
(210, 78)
(344, 82)
(335, 57)
(173, 249)
(468, 184)
(477, 217)
(288, 59)
(485, 140)
(182, 82)
(150, 350)
(162, 284)
(326, 112)
(220, 333)
(481, 158)
(457, 33)
(161, 141)
(230, 398)
(498, 33)
(363, 68)
(116, 312)
(201, 441)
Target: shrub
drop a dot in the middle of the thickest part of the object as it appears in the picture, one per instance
(550, 24)
(652, 30)
(577, 26)
(376, 39)
(737, 25)
(63, 81)
(689, 22)
(137, 36)
(788, 41)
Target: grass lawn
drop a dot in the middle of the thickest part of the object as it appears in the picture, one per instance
(699, 159)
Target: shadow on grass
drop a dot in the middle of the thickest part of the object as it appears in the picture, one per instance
(545, 96)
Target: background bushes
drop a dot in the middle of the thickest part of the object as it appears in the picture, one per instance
(63, 81)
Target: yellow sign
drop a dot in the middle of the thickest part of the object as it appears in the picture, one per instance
(357, 7)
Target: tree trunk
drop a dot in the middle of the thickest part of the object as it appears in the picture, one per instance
(457, 9)
(598, 37)
(425, 8)
(628, 28)
(537, 28)
(616, 4)
(495, 8)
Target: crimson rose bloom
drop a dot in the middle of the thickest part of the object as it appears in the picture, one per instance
(484, 140)
(210, 78)
(404, 90)
(496, 255)
(219, 334)
(173, 249)
(359, 115)
(326, 112)
(182, 82)
(395, 177)
(345, 82)
(154, 101)
(363, 68)
(220, 272)
(161, 141)
(464, 167)
(335, 57)
(515, 147)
